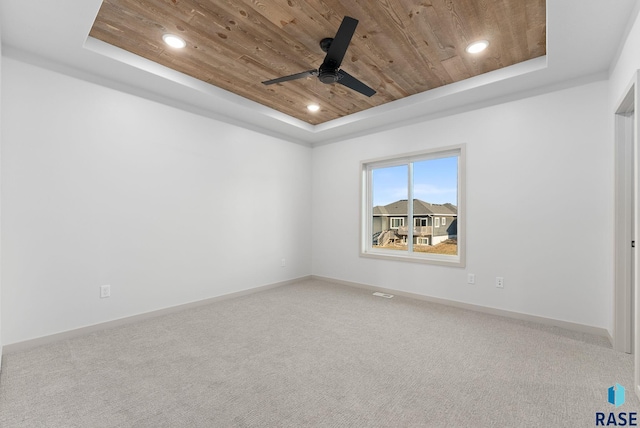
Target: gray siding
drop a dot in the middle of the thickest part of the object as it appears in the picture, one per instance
(380, 224)
(450, 228)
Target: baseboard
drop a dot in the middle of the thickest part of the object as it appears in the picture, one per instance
(610, 338)
(70, 334)
(82, 331)
(581, 328)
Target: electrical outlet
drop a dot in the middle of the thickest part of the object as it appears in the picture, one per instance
(499, 282)
(471, 278)
(283, 263)
(105, 291)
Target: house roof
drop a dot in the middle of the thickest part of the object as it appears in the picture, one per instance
(399, 208)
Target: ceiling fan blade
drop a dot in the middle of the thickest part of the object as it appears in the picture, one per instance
(340, 43)
(351, 82)
(291, 77)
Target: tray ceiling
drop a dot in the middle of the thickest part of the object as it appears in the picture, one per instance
(400, 48)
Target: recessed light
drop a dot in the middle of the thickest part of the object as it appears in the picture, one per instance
(174, 41)
(477, 47)
(313, 107)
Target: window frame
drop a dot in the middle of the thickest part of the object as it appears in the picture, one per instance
(396, 218)
(366, 207)
(443, 221)
(418, 238)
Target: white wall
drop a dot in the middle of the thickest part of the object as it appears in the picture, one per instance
(102, 187)
(627, 64)
(539, 171)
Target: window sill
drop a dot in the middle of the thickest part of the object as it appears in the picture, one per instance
(433, 259)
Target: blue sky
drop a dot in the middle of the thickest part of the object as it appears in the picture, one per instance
(434, 181)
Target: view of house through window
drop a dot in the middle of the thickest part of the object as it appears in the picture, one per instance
(422, 191)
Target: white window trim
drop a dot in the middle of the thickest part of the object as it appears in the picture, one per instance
(395, 218)
(366, 206)
(443, 222)
(421, 238)
(436, 222)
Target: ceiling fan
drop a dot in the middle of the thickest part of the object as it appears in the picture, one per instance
(329, 71)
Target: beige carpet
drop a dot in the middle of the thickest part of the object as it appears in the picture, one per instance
(316, 354)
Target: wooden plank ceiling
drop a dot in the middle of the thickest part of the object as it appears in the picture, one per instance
(400, 47)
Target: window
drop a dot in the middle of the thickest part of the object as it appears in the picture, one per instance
(396, 222)
(408, 190)
(422, 241)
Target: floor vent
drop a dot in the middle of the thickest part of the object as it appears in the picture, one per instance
(386, 296)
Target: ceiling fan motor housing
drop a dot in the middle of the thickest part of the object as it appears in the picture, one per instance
(328, 75)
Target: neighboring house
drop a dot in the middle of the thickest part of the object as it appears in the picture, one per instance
(432, 223)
